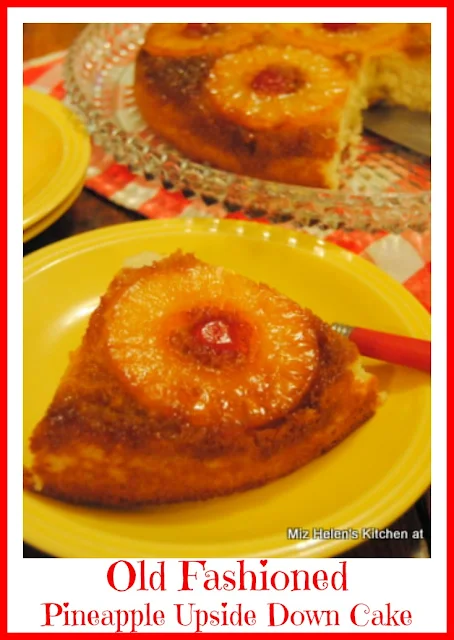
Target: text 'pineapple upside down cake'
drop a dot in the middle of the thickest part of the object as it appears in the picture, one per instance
(279, 102)
(193, 382)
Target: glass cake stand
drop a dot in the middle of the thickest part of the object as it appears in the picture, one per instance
(384, 188)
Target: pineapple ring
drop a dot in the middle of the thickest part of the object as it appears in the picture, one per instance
(333, 39)
(232, 85)
(189, 39)
(264, 355)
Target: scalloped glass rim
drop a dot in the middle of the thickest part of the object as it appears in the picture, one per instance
(102, 45)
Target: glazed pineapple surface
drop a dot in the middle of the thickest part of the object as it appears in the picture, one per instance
(210, 348)
(264, 87)
(276, 101)
(193, 382)
(334, 39)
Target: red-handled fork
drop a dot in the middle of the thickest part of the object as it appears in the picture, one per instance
(409, 352)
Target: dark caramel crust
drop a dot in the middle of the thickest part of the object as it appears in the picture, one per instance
(418, 43)
(98, 444)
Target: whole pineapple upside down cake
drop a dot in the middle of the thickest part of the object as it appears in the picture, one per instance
(279, 102)
(192, 382)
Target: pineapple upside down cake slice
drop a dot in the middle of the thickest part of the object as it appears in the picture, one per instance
(193, 382)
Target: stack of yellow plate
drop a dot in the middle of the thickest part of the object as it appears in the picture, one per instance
(56, 156)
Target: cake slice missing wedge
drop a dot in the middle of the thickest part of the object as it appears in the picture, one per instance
(285, 114)
(279, 102)
(193, 382)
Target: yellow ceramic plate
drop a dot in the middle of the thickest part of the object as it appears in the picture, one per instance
(56, 154)
(44, 223)
(367, 481)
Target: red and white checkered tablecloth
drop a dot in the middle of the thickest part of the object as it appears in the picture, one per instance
(406, 256)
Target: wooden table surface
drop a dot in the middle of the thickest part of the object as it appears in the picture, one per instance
(91, 212)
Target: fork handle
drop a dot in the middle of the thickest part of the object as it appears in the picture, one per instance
(409, 352)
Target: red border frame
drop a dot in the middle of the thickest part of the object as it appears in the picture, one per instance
(3, 353)
(232, 3)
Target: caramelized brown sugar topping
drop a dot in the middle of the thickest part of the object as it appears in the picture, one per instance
(337, 39)
(198, 39)
(337, 27)
(210, 39)
(419, 40)
(201, 29)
